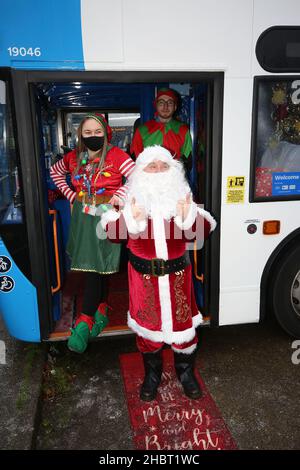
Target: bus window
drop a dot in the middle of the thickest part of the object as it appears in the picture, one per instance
(122, 125)
(10, 197)
(12, 215)
(72, 122)
(277, 139)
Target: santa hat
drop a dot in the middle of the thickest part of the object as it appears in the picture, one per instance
(155, 152)
(101, 119)
(168, 92)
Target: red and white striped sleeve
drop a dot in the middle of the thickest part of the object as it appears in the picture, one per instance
(126, 168)
(58, 173)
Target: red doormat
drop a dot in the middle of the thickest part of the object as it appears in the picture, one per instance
(172, 421)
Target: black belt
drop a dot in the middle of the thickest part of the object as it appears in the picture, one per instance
(158, 266)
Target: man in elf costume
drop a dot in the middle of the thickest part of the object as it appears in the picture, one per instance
(158, 220)
(164, 130)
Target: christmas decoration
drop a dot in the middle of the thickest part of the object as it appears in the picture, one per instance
(285, 115)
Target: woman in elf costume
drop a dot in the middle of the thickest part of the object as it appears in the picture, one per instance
(96, 169)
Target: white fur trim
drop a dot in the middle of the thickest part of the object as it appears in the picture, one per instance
(161, 251)
(165, 306)
(177, 337)
(208, 217)
(159, 236)
(109, 216)
(133, 226)
(198, 320)
(154, 152)
(155, 336)
(189, 220)
(188, 350)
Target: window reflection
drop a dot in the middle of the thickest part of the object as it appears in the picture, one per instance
(278, 139)
(10, 197)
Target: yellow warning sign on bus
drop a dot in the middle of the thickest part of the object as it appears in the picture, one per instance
(235, 193)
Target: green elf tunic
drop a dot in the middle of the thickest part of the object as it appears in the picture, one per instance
(173, 135)
(88, 246)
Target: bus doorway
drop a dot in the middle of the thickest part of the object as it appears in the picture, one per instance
(58, 102)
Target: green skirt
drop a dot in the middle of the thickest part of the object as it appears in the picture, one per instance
(88, 246)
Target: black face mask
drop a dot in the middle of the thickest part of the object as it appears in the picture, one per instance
(93, 143)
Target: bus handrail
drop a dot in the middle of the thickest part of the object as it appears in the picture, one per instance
(57, 265)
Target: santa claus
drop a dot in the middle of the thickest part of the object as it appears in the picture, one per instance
(158, 220)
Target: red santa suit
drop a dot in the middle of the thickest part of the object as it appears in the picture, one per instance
(162, 309)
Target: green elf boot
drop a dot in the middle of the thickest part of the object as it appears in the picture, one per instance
(101, 319)
(80, 334)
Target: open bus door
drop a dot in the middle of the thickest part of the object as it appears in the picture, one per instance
(42, 225)
(24, 294)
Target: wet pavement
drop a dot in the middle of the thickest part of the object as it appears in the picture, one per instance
(249, 372)
(84, 404)
(21, 366)
(247, 369)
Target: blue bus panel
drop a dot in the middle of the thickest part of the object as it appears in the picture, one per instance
(41, 35)
(18, 300)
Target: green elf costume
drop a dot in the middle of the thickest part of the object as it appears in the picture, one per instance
(96, 181)
(172, 135)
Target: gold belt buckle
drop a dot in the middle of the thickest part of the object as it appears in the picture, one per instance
(161, 267)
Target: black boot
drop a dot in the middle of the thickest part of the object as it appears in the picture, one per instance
(184, 366)
(153, 371)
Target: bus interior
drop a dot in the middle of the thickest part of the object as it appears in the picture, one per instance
(58, 110)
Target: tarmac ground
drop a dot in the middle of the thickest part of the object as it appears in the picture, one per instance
(54, 399)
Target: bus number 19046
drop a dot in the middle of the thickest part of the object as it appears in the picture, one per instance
(24, 51)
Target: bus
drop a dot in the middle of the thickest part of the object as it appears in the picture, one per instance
(235, 65)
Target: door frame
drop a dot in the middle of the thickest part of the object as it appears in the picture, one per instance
(35, 190)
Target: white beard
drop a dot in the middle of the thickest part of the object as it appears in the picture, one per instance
(158, 193)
